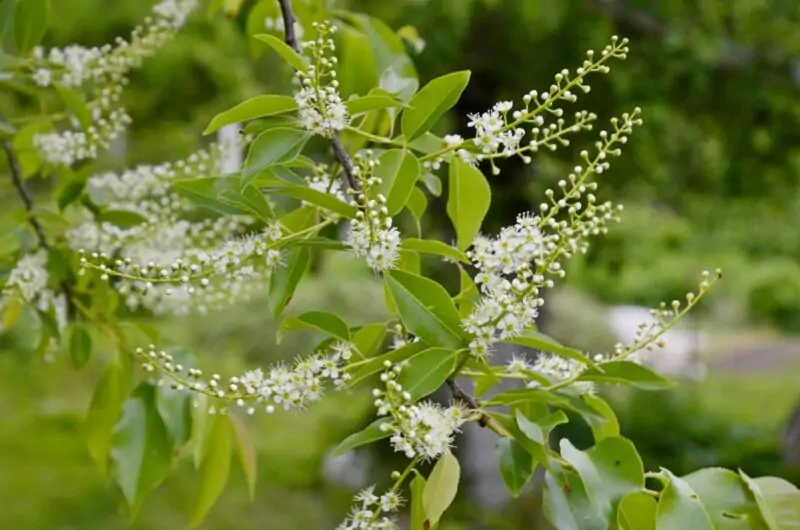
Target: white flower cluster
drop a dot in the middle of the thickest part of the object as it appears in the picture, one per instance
(372, 234)
(322, 181)
(71, 146)
(515, 265)
(28, 280)
(321, 108)
(292, 388)
(370, 511)
(556, 369)
(76, 65)
(424, 429)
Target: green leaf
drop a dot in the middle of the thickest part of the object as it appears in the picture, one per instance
(431, 102)
(417, 204)
(288, 54)
(377, 99)
(637, 511)
(13, 309)
(433, 183)
(468, 201)
(539, 430)
(257, 107)
(121, 218)
(372, 433)
(679, 507)
(104, 411)
(321, 199)
(626, 372)
(523, 395)
(175, 408)
(284, 280)
(251, 198)
(273, 147)
(540, 341)
(30, 22)
(431, 246)
(141, 447)
(516, 464)
(375, 364)
(609, 471)
(426, 309)
(427, 371)
(200, 426)
(369, 338)
(80, 344)
(418, 518)
(441, 488)
(215, 468)
(566, 504)
(207, 192)
(726, 498)
(319, 320)
(779, 502)
(75, 103)
(604, 426)
(246, 453)
(398, 171)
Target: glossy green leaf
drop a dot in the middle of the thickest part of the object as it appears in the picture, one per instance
(368, 339)
(257, 107)
(538, 429)
(468, 201)
(627, 372)
(606, 424)
(273, 147)
(245, 452)
(215, 469)
(727, 499)
(433, 183)
(252, 198)
(321, 199)
(637, 511)
(609, 471)
(206, 192)
(540, 341)
(371, 433)
(398, 171)
(441, 488)
(426, 309)
(284, 280)
(299, 219)
(376, 99)
(417, 204)
(80, 344)
(288, 54)
(427, 371)
(76, 104)
(141, 447)
(438, 248)
(566, 504)
(418, 517)
(516, 464)
(321, 321)
(375, 364)
(200, 425)
(431, 102)
(781, 500)
(104, 411)
(175, 409)
(680, 508)
(30, 23)
(522, 395)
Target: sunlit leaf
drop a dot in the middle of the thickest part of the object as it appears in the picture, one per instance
(432, 246)
(398, 171)
(289, 55)
(321, 321)
(376, 364)
(726, 498)
(30, 23)
(284, 280)
(215, 468)
(441, 488)
(637, 511)
(246, 453)
(371, 433)
(273, 147)
(418, 517)
(627, 372)
(427, 371)
(257, 107)
(679, 507)
(431, 102)
(468, 201)
(104, 411)
(540, 341)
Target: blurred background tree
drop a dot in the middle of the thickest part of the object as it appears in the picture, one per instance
(711, 180)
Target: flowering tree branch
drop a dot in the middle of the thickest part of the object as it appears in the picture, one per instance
(459, 394)
(291, 40)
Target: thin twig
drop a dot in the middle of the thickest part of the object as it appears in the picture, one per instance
(290, 37)
(27, 200)
(460, 394)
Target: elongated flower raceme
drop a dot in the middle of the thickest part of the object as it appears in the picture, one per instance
(372, 512)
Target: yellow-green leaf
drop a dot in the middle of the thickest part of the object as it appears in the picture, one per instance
(468, 201)
(246, 452)
(215, 468)
(431, 102)
(104, 411)
(257, 107)
(441, 488)
(283, 49)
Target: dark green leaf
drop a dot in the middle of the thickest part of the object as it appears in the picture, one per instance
(627, 372)
(104, 411)
(426, 309)
(121, 218)
(321, 199)
(377, 99)
(246, 452)
(80, 344)
(375, 364)
(726, 498)
(30, 23)
(141, 448)
(431, 246)
(566, 504)
(468, 201)
(637, 511)
(516, 464)
(398, 171)
(215, 468)
(427, 371)
(372, 433)
(679, 507)
(273, 147)
(431, 102)
(257, 107)
(540, 341)
(417, 204)
(284, 280)
(206, 192)
(319, 320)
(441, 488)
(288, 54)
